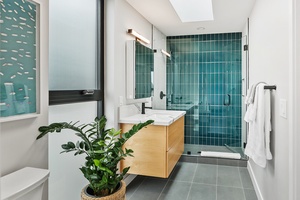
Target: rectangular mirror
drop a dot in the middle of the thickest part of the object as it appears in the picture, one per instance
(140, 68)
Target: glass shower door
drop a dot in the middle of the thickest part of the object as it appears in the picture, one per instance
(232, 103)
(220, 108)
(204, 79)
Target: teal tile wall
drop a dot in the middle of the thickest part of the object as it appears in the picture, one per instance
(204, 78)
(18, 64)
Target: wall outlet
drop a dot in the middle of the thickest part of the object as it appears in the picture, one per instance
(282, 108)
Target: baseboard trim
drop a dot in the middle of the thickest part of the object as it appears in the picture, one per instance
(128, 178)
(254, 181)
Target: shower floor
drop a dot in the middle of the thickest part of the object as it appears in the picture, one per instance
(193, 149)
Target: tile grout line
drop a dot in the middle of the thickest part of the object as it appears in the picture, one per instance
(137, 188)
(166, 184)
(192, 181)
(226, 186)
(242, 183)
(217, 182)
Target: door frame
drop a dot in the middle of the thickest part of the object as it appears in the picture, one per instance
(294, 96)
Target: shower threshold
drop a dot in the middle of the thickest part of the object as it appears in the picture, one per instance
(222, 152)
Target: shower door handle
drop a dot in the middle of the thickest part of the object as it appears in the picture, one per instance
(227, 100)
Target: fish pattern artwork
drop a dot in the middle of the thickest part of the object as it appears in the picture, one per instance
(18, 57)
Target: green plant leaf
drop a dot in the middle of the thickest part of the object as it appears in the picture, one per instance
(65, 146)
(106, 170)
(97, 162)
(71, 145)
(81, 144)
(125, 170)
(99, 151)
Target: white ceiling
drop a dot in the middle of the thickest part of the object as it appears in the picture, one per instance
(229, 16)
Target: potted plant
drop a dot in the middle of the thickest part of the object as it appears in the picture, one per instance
(103, 150)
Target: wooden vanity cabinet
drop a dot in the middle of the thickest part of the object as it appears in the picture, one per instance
(157, 149)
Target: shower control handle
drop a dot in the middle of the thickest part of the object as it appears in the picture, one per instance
(161, 95)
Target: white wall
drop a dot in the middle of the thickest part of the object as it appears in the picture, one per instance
(270, 62)
(64, 167)
(18, 145)
(295, 139)
(119, 16)
(160, 69)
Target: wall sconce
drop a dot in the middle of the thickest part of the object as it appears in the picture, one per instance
(138, 36)
(166, 53)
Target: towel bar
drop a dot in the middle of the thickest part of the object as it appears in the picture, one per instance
(270, 87)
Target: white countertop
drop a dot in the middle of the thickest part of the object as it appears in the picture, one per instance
(160, 117)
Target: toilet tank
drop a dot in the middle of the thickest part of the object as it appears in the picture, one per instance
(24, 184)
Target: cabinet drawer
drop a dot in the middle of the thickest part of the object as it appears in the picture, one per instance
(174, 154)
(175, 132)
(149, 146)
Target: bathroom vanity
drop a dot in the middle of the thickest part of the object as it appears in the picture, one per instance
(158, 147)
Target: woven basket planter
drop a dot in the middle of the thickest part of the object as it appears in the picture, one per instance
(118, 195)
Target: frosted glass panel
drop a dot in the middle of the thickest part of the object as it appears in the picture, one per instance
(73, 42)
(18, 62)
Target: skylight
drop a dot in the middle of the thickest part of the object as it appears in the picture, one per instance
(193, 10)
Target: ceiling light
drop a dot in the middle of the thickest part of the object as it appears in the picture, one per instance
(138, 36)
(193, 10)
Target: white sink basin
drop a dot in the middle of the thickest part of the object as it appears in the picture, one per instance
(160, 117)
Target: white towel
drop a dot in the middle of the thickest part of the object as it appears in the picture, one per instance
(259, 119)
(251, 110)
(249, 98)
(250, 114)
(251, 94)
(267, 127)
(249, 102)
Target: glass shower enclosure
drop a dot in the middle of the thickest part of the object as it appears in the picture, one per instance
(204, 79)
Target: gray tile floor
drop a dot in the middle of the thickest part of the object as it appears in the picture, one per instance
(195, 181)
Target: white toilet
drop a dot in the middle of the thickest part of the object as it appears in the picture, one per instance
(24, 184)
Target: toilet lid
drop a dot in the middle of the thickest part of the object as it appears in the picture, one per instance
(22, 181)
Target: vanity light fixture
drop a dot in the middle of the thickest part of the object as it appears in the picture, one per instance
(138, 36)
(166, 53)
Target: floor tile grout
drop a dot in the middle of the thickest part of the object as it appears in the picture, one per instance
(137, 188)
(192, 182)
(166, 184)
(217, 182)
(242, 183)
(192, 177)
